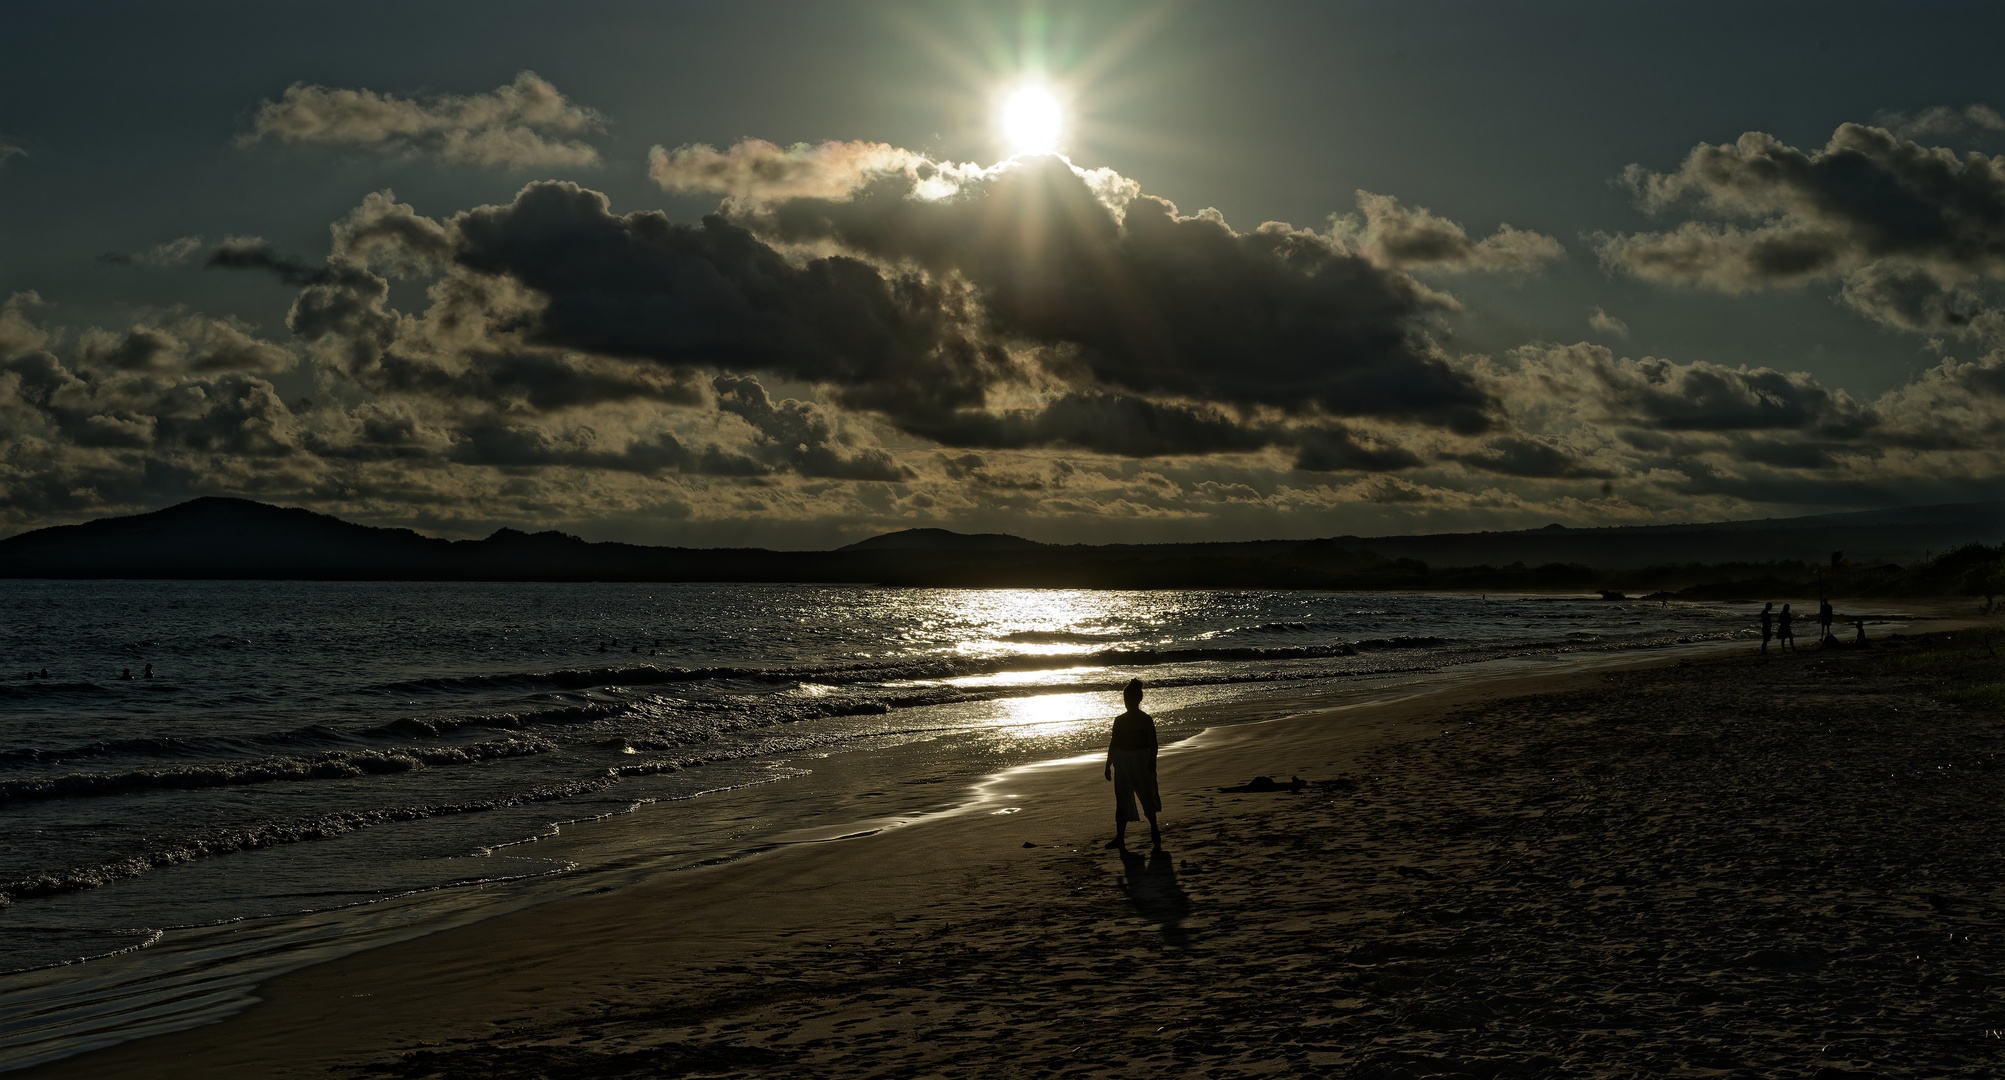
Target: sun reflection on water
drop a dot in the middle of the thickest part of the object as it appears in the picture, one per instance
(1051, 718)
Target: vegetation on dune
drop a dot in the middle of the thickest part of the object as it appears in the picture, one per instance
(1969, 667)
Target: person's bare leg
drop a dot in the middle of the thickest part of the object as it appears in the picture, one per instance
(1120, 835)
(1155, 833)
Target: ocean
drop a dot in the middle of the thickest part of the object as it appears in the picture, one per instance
(216, 781)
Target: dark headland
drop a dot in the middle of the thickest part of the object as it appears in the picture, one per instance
(1931, 550)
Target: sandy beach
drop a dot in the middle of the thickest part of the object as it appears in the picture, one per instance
(1770, 866)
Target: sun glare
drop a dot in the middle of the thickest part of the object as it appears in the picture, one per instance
(1032, 120)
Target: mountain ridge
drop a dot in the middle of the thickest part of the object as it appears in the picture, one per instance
(229, 538)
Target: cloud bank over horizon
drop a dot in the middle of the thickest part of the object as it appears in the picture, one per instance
(862, 338)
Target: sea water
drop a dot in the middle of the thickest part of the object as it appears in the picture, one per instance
(303, 754)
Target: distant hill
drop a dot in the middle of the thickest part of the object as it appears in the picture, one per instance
(1899, 535)
(222, 538)
(217, 537)
(942, 540)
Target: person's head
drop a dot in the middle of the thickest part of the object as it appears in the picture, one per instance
(1132, 693)
(1768, 605)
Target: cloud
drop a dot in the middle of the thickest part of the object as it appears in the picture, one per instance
(1150, 302)
(862, 339)
(172, 253)
(192, 344)
(9, 150)
(917, 310)
(1606, 323)
(1125, 425)
(1541, 456)
(255, 253)
(757, 169)
(524, 124)
(140, 394)
(803, 434)
(1937, 121)
(1915, 234)
(1663, 395)
(1413, 238)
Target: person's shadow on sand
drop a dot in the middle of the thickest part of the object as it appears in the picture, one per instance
(1152, 887)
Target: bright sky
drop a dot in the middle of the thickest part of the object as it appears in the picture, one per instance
(795, 274)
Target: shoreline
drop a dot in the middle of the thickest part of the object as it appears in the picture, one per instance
(1478, 684)
(606, 954)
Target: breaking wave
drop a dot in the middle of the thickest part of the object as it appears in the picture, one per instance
(331, 765)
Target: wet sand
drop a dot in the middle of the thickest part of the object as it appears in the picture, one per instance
(1779, 867)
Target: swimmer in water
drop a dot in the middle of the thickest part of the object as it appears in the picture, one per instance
(149, 672)
(126, 674)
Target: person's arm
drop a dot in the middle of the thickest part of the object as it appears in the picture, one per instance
(1152, 747)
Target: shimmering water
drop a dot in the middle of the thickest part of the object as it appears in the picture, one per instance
(318, 747)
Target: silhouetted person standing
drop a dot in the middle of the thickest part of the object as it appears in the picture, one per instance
(1824, 619)
(1767, 624)
(1131, 765)
(1785, 638)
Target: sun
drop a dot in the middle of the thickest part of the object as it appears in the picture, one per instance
(1032, 119)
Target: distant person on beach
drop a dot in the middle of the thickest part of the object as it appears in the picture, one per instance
(1131, 765)
(1859, 625)
(1785, 638)
(1767, 624)
(1824, 618)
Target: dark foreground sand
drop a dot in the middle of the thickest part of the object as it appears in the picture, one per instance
(1788, 867)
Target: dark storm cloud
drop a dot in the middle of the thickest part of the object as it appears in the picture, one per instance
(1135, 297)
(1534, 456)
(921, 293)
(1124, 425)
(1707, 397)
(1662, 395)
(640, 286)
(520, 125)
(1117, 424)
(1333, 448)
(1907, 228)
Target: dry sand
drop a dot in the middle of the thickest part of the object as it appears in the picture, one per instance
(1780, 867)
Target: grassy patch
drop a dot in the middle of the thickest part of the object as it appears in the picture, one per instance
(1968, 667)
